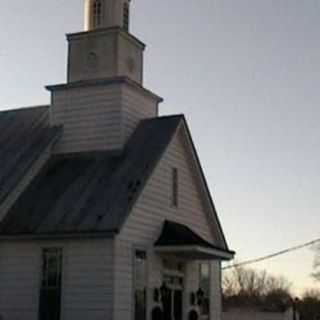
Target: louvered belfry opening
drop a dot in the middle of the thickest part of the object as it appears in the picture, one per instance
(97, 13)
(126, 17)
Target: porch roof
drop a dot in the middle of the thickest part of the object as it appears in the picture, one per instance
(179, 240)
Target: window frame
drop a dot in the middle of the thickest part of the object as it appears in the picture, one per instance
(44, 284)
(97, 13)
(207, 295)
(174, 188)
(135, 250)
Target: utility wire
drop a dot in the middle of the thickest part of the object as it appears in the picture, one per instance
(271, 256)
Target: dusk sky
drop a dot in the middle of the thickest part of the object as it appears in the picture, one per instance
(246, 74)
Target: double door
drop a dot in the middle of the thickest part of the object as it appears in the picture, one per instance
(173, 300)
(172, 305)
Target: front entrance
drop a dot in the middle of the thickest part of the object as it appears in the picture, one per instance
(173, 300)
(172, 305)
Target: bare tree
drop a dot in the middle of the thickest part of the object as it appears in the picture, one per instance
(242, 286)
(252, 282)
(312, 294)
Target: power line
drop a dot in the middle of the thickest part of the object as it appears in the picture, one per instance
(273, 255)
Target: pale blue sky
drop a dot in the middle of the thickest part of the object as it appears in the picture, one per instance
(246, 74)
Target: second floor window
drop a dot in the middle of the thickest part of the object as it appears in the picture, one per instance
(97, 13)
(174, 187)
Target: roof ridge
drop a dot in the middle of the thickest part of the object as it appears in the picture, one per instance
(166, 117)
(27, 108)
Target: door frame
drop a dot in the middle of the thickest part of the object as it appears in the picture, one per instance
(173, 287)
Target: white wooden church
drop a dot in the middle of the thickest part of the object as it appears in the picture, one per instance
(105, 213)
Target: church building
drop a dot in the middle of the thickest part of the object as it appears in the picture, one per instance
(105, 213)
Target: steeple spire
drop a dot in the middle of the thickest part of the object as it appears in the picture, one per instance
(106, 13)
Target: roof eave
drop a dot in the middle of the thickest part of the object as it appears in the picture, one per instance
(206, 186)
(60, 235)
(215, 254)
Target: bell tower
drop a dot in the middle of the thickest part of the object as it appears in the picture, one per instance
(105, 48)
(106, 13)
(104, 99)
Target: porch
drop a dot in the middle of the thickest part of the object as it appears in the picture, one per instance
(189, 266)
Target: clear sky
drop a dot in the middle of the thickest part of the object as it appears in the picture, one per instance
(245, 73)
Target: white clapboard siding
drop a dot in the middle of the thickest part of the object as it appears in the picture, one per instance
(136, 106)
(136, 55)
(87, 279)
(145, 222)
(191, 285)
(101, 117)
(91, 117)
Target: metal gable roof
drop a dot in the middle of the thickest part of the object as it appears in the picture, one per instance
(25, 133)
(90, 193)
(80, 194)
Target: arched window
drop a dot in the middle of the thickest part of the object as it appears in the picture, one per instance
(126, 14)
(97, 13)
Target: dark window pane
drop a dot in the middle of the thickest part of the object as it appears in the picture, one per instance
(140, 305)
(97, 13)
(167, 305)
(140, 269)
(175, 188)
(50, 292)
(205, 286)
(178, 305)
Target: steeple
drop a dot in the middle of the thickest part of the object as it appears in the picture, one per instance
(103, 100)
(106, 13)
(105, 48)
